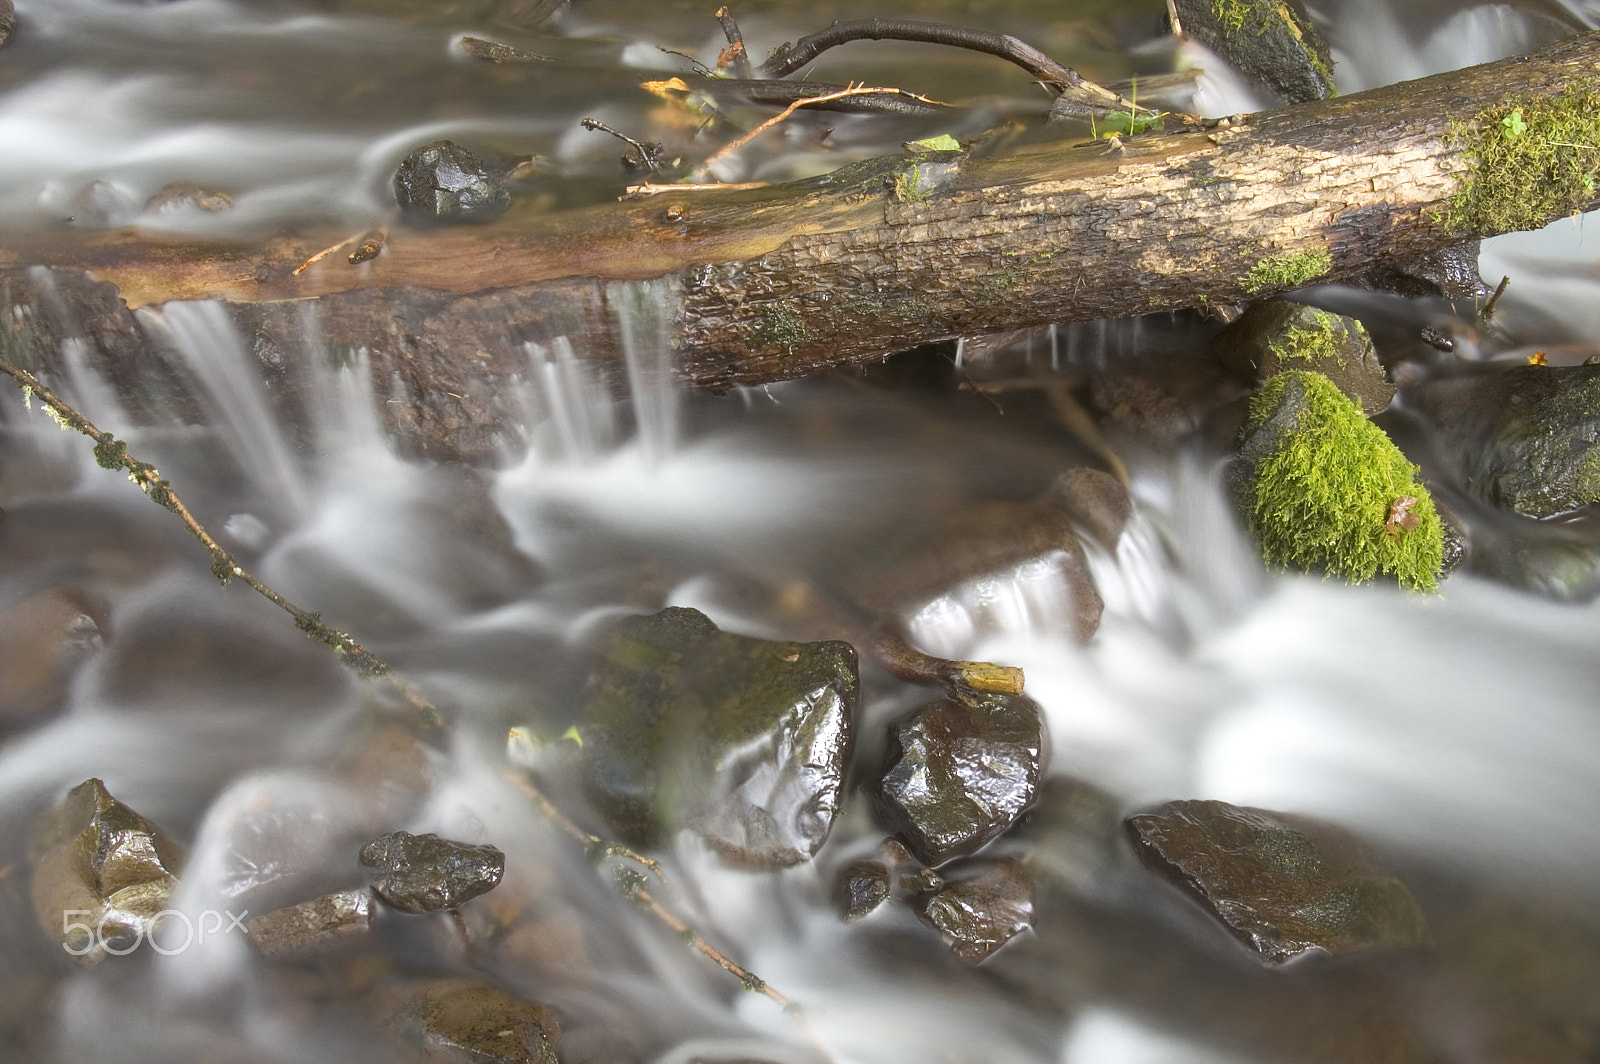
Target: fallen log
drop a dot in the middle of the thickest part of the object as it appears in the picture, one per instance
(773, 283)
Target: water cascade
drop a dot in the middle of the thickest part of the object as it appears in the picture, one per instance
(1455, 734)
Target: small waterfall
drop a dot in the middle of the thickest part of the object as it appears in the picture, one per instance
(643, 312)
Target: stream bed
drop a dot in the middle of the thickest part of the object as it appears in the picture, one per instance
(1456, 734)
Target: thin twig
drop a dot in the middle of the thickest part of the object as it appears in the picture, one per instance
(959, 678)
(737, 57)
(727, 149)
(325, 252)
(648, 189)
(1487, 313)
(649, 154)
(112, 453)
(1062, 80)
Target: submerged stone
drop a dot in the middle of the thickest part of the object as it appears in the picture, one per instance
(44, 638)
(443, 183)
(459, 1020)
(984, 907)
(1276, 335)
(101, 873)
(1284, 885)
(312, 926)
(745, 741)
(426, 874)
(1526, 438)
(959, 775)
(1095, 502)
(177, 195)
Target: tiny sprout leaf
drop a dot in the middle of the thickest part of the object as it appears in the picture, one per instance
(1515, 126)
(943, 142)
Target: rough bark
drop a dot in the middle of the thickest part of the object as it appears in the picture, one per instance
(773, 283)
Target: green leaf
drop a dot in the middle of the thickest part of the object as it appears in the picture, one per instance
(943, 142)
(1515, 126)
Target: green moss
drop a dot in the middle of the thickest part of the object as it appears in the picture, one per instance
(781, 327)
(1323, 499)
(1315, 342)
(1233, 14)
(1530, 160)
(1284, 272)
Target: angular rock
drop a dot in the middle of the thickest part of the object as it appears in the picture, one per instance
(977, 545)
(1274, 42)
(101, 873)
(861, 888)
(1284, 885)
(987, 906)
(959, 775)
(1276, 335)
(427, 874)
(1323, 488)
(745, 741)
(1525, 438)
(466, 1022)
(312, 926)
(444, 184)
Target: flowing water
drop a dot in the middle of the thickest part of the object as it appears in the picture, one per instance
(1457, 733)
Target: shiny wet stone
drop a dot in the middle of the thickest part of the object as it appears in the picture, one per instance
(101, 874)
(959, 775)
(981, 908)
(460, 1020)
(312, 926)
(425, 874)
(1284, 885)
(443, 183)
(744, 741)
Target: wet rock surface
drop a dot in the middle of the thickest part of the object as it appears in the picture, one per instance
(8, 20)
(745, 741)
(959, 775)
(458, 1020)
(445, 184)
(44, 638)
(1277, 335)
(425, 874)
(1094, 501)
(1525, 438)
(101, 873)
(979, 544)
(177, 195)
(1283, 885)
(312, 926)
(984, 906)
(1134, 406)
(1274, 42)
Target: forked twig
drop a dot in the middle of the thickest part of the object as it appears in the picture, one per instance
(733, 146)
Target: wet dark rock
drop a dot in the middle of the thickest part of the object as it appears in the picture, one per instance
(1094, 501)
(1284, 885)
(1274, 42)
(1136, 407)
(1276, 335)
(44, 638)
(177, 195)
(1072, 836)
(426, 874)
(312, 926)
(745, 741)
(861, 888)
(443, 183)
(459, 1020)
(1525, 438)
(1451, 273)
(101, 873)
(959, 775)
(977, 544)
(981, 908)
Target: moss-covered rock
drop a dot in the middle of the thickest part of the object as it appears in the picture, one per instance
(1275, 335)
(1275, 42)
(1324, 489)
(745, 741)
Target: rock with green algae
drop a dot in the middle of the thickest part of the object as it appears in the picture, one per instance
(1276, 335)
(744, 741)
(1282, 884)
(1324, 489)
(102, 874)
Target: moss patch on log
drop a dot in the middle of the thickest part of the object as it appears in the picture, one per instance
(1337, 495)
(1531, 159)
(1283, 272)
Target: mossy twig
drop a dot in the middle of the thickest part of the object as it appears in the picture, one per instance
(112, 453)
